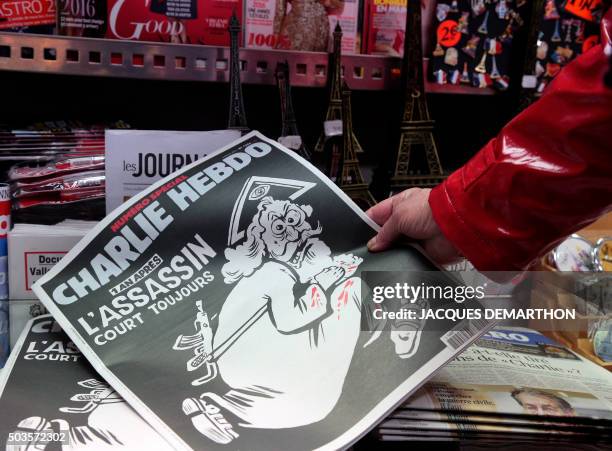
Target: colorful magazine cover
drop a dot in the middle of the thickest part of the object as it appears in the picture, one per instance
(384, 27)
(30, 16)
(304, 25)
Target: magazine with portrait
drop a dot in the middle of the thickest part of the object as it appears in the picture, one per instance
(522, 376)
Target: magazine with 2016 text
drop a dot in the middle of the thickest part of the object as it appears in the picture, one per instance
(224, 303)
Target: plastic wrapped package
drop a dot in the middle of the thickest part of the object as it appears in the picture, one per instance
(57, 166)
(74, 182)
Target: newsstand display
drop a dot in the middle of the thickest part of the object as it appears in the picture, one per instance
(306, 224)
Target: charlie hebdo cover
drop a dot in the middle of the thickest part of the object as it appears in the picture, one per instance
(224, 304)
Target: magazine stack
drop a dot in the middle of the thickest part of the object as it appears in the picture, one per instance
(513, 384)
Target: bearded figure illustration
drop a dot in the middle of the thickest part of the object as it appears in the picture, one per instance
(295, 310)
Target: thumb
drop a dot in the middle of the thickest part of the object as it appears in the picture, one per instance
(386, 236)
(408, 214)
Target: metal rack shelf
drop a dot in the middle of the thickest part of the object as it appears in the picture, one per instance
(161, 61)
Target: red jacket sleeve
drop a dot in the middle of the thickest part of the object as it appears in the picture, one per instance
(547, 174)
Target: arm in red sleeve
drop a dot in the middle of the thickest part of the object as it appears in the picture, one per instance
(546, 175)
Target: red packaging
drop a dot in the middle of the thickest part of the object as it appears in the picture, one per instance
(384, 25)
(178, 21)
(59, 198)
(26, 13)
(55, 167)
(5, 217)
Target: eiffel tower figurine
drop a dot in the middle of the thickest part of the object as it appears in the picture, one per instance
(290, 135)
(334, 108)
(237, 116)
(416, 128)
(349, 178)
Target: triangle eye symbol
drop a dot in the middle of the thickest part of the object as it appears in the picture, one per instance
(255, 189)
(259, 192)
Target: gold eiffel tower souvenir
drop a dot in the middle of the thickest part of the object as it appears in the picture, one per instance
(237, 116)
(349, 178)
(289, 126)
(416, 129)
(334, 107)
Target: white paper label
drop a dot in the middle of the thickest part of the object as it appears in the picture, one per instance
(37, 264)
(529, 81)
(135, 159)
(332, 128)
(293, 142)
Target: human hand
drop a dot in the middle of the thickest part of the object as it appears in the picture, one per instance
(349, 262)
(329, 276)
(408, 215)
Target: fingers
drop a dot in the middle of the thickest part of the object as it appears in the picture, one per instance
(381, 212)
(405, 214)
(408, 215)
(386, 236)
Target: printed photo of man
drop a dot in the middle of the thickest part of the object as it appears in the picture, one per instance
(542, 403)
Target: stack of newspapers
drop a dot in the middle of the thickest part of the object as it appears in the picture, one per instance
(514, 385)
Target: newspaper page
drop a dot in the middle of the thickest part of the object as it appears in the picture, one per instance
(135, 159)
(494, 420)
(495, 440)
(519, 372)
(397, 426)
(224, 304)
(405, 427)
(50, 396)
(492, 441)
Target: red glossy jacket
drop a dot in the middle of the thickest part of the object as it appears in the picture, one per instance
(546, 175)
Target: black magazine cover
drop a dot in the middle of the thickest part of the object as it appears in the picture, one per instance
(224, 304)
(51, 398)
